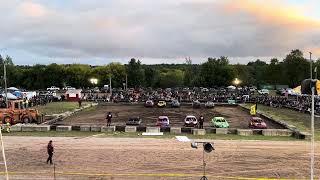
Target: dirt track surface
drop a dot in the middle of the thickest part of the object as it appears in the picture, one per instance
(236, 117)
(148, 158)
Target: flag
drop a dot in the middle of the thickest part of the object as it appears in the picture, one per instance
(253, 109)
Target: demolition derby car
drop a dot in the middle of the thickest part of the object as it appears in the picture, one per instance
(190, 121)
(257, 123)
(220, 122)
(162, 121)
(162, 104)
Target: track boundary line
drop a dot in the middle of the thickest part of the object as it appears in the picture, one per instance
(145, 175)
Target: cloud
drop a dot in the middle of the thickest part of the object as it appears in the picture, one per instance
(30, 9)
(155, 31)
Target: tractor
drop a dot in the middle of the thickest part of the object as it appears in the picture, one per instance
(17, 113)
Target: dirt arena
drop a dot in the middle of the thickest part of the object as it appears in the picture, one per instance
(236, 117)
(148, 158)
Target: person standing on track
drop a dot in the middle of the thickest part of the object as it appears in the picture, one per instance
(201, 120)
(109, 117)
(50, 151)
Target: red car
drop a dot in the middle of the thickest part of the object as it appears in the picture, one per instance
(257, 123)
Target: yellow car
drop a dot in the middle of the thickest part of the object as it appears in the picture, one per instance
(161, 104)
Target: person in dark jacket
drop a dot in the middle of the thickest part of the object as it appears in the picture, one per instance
(109, 117)
(201, 120)
(50, 151)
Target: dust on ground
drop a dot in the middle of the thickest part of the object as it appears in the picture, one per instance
(147, 158)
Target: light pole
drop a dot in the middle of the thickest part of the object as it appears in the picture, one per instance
(6, 96)
(313, 88)
(207, 147)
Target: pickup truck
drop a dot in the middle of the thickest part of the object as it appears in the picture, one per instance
(53, 88)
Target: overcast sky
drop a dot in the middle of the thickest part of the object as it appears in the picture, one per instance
(156, 31)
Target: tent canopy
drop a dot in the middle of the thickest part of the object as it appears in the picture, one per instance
(231, 87)
(10, 96)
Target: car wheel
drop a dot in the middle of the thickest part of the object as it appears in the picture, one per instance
(26, 120)
(6, 120)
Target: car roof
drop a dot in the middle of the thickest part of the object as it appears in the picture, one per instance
(256, 118)
(218, 118)
(190, 116)
(163, 117)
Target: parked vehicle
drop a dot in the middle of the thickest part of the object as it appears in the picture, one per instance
(288, 91)
(149, 103)
(175, 103)
(69, 88)
(163, 121)
(220, 122)
(161, 104)
(95, 90)
(196, 104)
(134, 121)
(53, 88)
(190, 121)
(209, 104)
(105, 88)
(16, 113)
(257, 123)
(263, 91)
(204, 90)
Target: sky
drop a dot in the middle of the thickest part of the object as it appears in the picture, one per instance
(98, 32)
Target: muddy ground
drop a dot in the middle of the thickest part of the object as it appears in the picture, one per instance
(236, 117)
(147, 158)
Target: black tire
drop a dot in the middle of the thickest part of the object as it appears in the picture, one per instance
(6, 120)
(26, 120)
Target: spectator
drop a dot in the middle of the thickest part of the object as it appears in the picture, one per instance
(50, 151)
(109, 117)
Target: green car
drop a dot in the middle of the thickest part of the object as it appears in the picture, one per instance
(220, 122)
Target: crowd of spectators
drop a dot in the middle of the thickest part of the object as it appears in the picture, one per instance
(168, 94)
(216, 95)
(299, 103)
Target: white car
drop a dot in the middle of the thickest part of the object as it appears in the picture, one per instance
(190, 121)
(69, 88)
(263, 91)
(53, 88)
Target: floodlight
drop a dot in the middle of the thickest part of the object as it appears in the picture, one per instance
(194, 145)
(208, 147)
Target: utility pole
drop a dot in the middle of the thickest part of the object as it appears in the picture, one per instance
(5, 82)
(110, 85)
(126, 82)
(310, 65)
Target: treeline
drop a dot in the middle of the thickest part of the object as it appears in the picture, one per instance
(214, 72)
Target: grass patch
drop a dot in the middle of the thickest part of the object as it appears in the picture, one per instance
(139, 135)
(58, 107)
(300, 120)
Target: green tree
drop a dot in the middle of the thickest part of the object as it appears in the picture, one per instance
(273, 72)
(135, 73)
(257, 70)
(171, 78)
(216, 72)
(295, 67)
